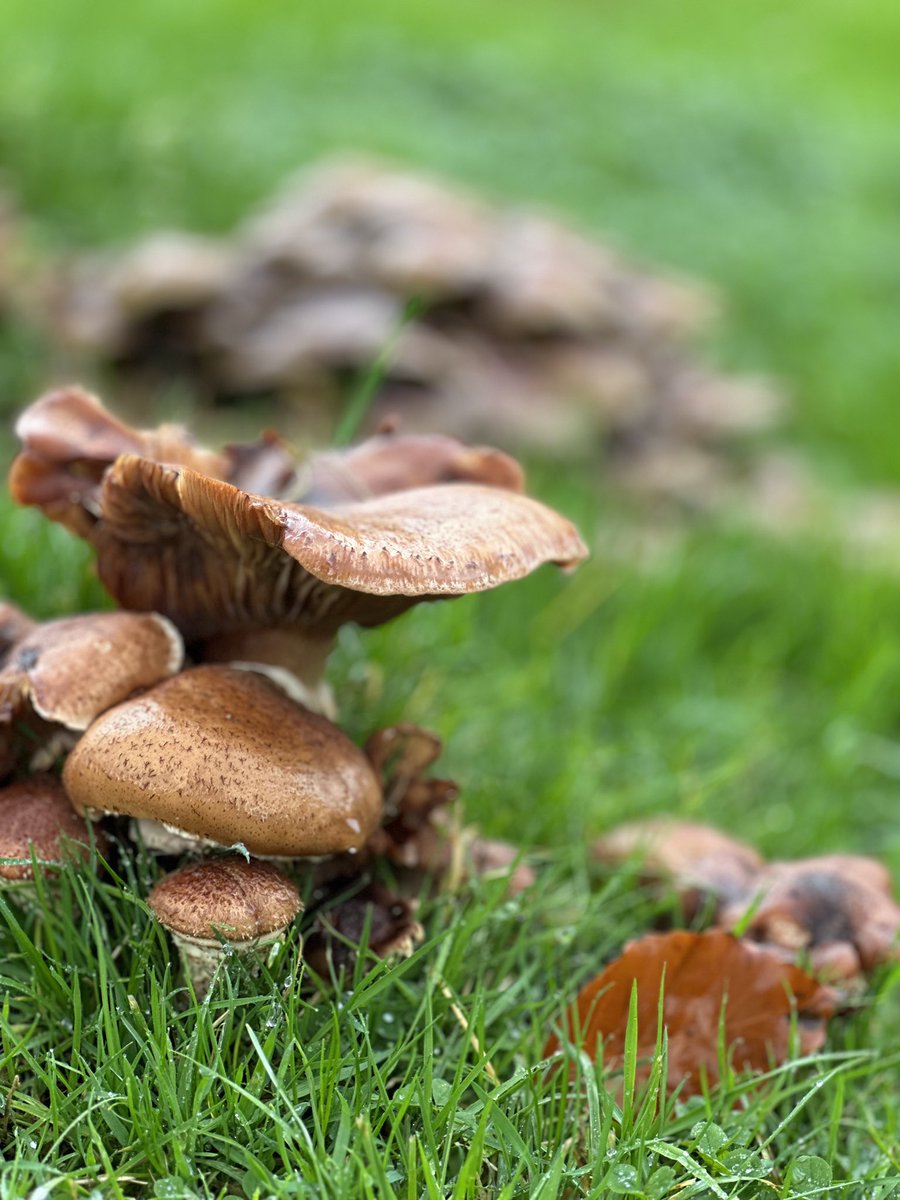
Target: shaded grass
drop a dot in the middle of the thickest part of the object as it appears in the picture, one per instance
(114, 1076)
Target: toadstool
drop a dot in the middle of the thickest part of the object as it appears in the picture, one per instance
(250, 577)
(221, 903)
(37, 819)
(62, 674)
(225, 756)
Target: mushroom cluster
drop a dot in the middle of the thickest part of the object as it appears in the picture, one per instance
(525, 331)
(198, 713)
(835, 912)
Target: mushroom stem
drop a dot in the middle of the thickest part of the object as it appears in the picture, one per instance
(202, 956)
(295, 661)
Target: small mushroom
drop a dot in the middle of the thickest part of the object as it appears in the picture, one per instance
(703, 865)
(62, 674)
(37, 819)
(226, 756)
(838, 910)
(223, 904)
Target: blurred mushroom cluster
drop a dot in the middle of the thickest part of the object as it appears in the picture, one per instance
(835, 914)
(486, 322)
(197, 716)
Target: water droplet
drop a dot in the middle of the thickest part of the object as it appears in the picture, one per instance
(353, 824)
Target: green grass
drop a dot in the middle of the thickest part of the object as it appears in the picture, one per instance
(749, 682)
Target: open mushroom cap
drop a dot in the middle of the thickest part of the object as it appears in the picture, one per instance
(830, 907)
(73, 669)
(698, 861)
(225, 755)
(228, 898)
(228, 559)
(36, 816)
(391, 462)
(69, 439)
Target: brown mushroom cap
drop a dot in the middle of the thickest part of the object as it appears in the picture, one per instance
(829, 906)
(698, 861)
(390, 463)
(36, 816)
(228, 559)
(75, 668)
(225, 755)
(69, 439)
(227, 897)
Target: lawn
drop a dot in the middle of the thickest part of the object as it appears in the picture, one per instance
(744, 680)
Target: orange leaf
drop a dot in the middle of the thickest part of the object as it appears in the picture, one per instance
(703, 972)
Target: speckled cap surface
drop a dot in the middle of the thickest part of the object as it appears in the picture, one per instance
(224, 754)
(239, 900)
(35, 814)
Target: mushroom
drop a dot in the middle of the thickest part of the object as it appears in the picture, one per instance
(393, 932)
(702, 864)
(37, 823)
(254, 579)
(225, 756)
(223, 904)
(62, 674)
(838, 910)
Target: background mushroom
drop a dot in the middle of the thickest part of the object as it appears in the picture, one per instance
(223, 904)
(837, 910)
(704, 866)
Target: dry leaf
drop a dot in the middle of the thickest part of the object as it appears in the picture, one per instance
(703, 972)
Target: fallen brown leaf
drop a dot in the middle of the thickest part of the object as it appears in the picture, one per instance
(703, 973)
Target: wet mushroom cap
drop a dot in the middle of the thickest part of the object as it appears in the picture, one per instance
(71, 670)
(225, 755)
(227, 897)
(36, 817)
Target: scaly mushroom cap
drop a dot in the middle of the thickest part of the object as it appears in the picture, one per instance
(228, 898)
(36, 816)
(65, 673)
(225, 755)
(224, 559)
(73, 669)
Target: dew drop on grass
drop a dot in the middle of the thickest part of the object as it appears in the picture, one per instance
(388, 1018)
(623, 1179)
